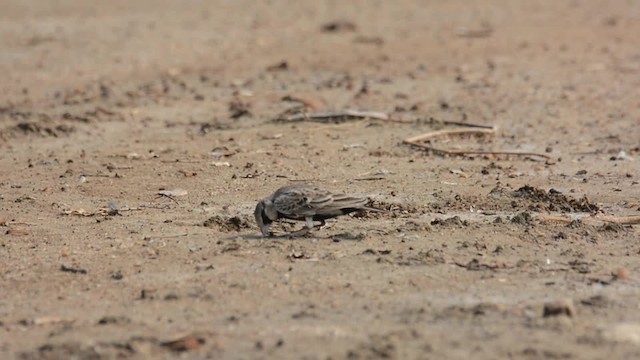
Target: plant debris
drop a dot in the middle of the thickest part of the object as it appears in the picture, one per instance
(72, 270)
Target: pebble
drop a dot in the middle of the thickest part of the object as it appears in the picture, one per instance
(559, 307)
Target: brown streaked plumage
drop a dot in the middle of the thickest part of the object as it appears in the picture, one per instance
(308, 203)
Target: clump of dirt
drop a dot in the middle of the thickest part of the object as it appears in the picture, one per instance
(553, 200)
(61, 351)
(238, 109)
(140, 346)
(462, 312)
(228, 224)
(348, 236)
(613, 227)
(526, 198)
(523, 218)
(452, 221)
(52, 124)
(413, 226)
(25, 128)
(429, 257)
(377, 346)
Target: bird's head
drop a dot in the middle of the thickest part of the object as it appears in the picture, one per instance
(265, 214)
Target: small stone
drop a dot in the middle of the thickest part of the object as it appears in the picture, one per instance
(220, 163)
(622, 155)
(119, 320)
(185, 343)
(621, 274)
(559, 307)
(117, 275)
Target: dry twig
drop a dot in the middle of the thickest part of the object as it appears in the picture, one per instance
(146, 238)
(441, 133)
(460, 123)
(623, 220)
(101, 211)
(181, 161)
(325, 116)
(415, 141)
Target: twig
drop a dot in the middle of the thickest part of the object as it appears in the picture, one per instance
(433, 121)
(121, 210)
(371, 178)
(624, 220)
(475, 265)
(182, 161)
(153, 206)
(306, 180)
(413, 141)
(344, 125)
(460, 123)
(476, 152)
(558, 218)
(98, 175)
(329, 115)
(72, 270)
(165, 236)
(439, 133)
(159, 195)
(108, 211)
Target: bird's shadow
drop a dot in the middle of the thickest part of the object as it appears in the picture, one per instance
(259, 237)
(313, 235)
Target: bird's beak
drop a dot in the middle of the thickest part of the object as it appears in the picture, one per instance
(265, 230)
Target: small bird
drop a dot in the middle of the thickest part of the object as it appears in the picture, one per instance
(306, 202)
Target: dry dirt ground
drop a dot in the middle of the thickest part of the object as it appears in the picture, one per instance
(106, 104)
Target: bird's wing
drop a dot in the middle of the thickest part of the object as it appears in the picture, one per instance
(343, 201)
(301, 200)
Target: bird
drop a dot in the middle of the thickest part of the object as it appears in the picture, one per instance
(306, 202)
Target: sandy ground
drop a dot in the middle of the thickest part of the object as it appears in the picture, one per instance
(482, 256)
